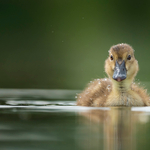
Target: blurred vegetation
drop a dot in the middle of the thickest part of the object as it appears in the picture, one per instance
(63, 44)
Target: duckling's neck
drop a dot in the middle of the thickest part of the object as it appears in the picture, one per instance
(121, 87)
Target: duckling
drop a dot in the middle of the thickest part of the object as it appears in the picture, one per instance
(119, 89)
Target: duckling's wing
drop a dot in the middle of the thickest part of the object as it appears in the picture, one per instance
(96, 93)
(142, 93)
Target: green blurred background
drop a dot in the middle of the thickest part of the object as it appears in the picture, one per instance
(62, 44)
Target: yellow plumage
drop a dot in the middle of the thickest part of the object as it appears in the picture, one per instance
(117, 90)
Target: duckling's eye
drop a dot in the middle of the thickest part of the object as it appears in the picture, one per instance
(111, 57)
(129, 57)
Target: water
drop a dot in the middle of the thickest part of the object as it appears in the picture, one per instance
(50, 120)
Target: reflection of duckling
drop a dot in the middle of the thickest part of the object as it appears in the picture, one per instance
(119, 89)
(118, 133)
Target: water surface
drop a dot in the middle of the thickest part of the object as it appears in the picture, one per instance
(44, 119)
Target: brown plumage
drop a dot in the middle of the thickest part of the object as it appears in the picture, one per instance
(119, 89)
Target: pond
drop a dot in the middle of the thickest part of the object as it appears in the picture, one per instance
(50, 120)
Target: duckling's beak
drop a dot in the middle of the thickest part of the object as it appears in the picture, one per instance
(120, 71)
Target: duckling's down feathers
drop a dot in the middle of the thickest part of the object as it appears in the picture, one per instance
(97, 93)
(118, 89)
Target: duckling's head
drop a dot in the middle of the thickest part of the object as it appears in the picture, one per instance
(121, 63)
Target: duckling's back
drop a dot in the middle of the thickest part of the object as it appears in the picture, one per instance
(96, 93)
